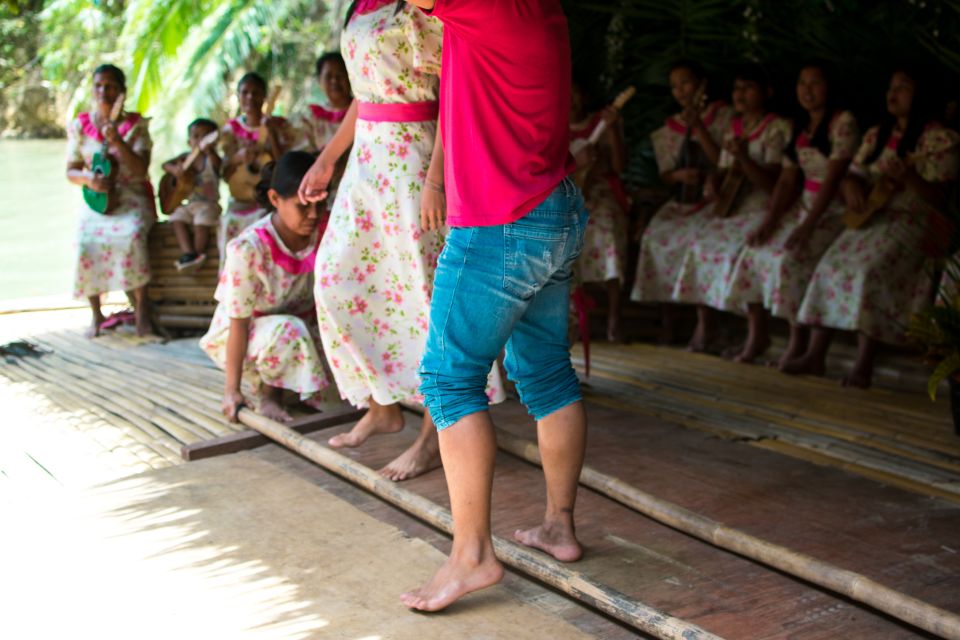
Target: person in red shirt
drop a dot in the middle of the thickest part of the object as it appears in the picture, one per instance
(499, 176)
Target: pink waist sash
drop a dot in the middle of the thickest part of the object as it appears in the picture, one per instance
(812, 186)
(398, 112)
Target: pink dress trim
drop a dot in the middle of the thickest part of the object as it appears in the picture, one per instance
(398, 112)
(91, 131)
(737, 125)
(369, 6)
(326, 115)
(293, 266)
(708, 118)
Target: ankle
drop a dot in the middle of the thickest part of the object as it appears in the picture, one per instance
(473, 553)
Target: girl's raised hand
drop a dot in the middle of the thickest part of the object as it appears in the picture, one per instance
(314, 186)
(233, 401)
(762, 233)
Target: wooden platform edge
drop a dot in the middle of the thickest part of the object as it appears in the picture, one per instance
(250, 439)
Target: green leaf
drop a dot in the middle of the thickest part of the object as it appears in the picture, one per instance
(946, 368)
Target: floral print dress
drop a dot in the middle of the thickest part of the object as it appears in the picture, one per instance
(671, 230)
(263, 280)
(374, 273)
(872, 279)
(771, 274)
(715, 246)
(112, 248)
(605, 239)
(241, 214)
(316, 129)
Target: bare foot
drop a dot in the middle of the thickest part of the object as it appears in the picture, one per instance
(371, 423)
(314, 403)
(858, 379)
(803, 365)
(455, 579)
(270, 407)
(557, 539)
(614, 334)
(422, 456)
(144, 327)
(698, 343)
(751, 352)
(93, 330)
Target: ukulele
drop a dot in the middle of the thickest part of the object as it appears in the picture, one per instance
(691, 154)
(879, 196)
(733, 182)
(243, 181)
(579, 144)
(104, 165)
(173, 191)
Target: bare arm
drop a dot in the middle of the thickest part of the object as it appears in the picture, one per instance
(237, 341)
(136, 164)
(836, 170)
(314, 186)
(618, 147)
(423, 4)
(433, 201)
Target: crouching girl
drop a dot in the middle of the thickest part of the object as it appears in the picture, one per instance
(264, 330)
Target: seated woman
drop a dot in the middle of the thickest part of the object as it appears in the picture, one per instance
(873, 278)
(244, 153)
(773, 269)
(264, 330)
(112, 246)
(687, 148)
(749, 166)
(605, 240)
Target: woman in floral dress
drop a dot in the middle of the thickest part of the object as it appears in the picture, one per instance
(374, 272)
(112, 247)
(605, 241)
(264, 331)
(241, 144)
(754, 141)
(687, 148)
(873, 278)
(318, 126)
(773, 269)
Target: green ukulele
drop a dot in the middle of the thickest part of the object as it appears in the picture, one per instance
(102, 164)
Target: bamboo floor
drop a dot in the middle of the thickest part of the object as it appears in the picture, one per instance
(865, 480)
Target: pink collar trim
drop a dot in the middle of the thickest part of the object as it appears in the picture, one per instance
(674, 123)
(737, 125)
(369, 6)
(325, 114)
(91, 131)
(290, 264)
(240, 130)
(803, 140)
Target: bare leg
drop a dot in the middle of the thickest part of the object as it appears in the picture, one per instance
(562, 437)
(140, 310)
(614, 334)
(861, 375)
(814, 360)
(201, 235)
(270, 406)
(468, 449)
(758, 334)
(182, 231)
(422, 456)
(796, 344)
(380, 418)
(94, 330)
(706, 326)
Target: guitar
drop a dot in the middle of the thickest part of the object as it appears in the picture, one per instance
(173, 191)
(243, 181)
(103, 164)
(579, 144)
(879, 196)
(691, 154)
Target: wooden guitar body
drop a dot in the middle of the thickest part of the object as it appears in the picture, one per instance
(878, 198)
(243, 182)
(172, 191)
(730, 191)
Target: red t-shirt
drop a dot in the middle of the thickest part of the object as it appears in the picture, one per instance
(504, 106)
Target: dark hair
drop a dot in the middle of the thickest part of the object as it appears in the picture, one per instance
(821, 137)
(921, 111)
(283, 176)
(116, 72)
(202, 122)
(254, 78)
(330, 56)
(690, 65)
(353, 8)
(752, 72)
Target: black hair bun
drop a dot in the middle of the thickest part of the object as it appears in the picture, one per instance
(262, 189)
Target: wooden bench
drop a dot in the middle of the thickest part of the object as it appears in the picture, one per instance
(180, 300)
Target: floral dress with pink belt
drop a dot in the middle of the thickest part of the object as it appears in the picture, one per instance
(374, 273)
(872, 279)
(263, 280)
(673, 227)
(771, 274)
(112, 248)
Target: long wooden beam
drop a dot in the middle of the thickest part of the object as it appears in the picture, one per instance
(637, 614)
(848, 583)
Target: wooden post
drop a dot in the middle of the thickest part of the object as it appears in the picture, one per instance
(638, 615)
(848, 583)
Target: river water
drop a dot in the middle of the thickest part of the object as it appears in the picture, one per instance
(37, 219)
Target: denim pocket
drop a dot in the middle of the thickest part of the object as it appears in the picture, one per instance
(532, 253)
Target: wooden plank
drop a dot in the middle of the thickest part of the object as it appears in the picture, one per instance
(245, 440)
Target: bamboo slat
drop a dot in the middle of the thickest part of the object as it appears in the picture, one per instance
(176, 321)
(848, 583)
(600, 596)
